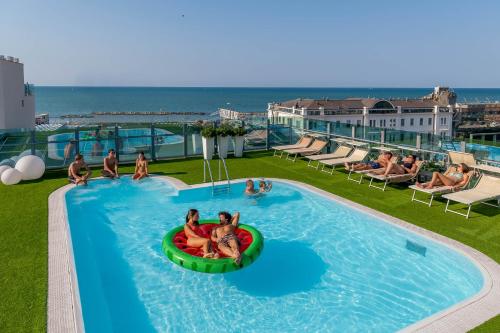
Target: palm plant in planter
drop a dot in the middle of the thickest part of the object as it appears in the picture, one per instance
(208, 134)
(239, 133)
(224, 132)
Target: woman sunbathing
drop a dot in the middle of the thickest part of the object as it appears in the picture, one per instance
(381, 162)
(457, 178)
(407, 166)
(194, 239)
(225, 237)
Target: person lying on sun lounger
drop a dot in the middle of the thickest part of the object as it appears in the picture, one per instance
(408, 165)
(381, 162)
(457, 178)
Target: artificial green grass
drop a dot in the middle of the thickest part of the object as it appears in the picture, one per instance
(23, 225)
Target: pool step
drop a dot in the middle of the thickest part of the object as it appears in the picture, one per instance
(222, 189)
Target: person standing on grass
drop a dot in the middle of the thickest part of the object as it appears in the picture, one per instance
(141, 167)
(110, 165)
(75, 175)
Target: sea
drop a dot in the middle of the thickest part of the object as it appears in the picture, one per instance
(59, 101)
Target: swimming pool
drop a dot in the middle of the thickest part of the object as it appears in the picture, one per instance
(491, 153)
(325, 266)
(132, 139)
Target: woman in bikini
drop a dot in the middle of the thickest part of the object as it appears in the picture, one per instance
(141, 167)
(225, 237)
(457, 178)
(193, 234)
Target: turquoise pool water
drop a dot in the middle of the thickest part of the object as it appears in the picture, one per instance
(325, 266)
(132, 140)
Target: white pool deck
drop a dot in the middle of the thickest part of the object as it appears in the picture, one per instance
(64, 313)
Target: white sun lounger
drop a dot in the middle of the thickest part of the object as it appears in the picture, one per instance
(315, 148)
(394, 178)
(303, 142)
(340, 152)
(487, 189)
(357, 155)
(439, 190)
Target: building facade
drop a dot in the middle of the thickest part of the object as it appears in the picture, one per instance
(415, 115)
(17, 101)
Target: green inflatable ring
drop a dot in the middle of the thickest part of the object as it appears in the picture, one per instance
(206, 265)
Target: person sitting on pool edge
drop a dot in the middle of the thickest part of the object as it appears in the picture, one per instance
(225, 236)
(192, 231)
(110, 165)
(381, 162)
(74, 171)
(457, 178)
(141, 167)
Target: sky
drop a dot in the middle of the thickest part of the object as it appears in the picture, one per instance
(258, 43)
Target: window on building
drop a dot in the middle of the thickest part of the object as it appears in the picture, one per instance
(402, 122)
(358, 122)
(429, 121)
(412, 122)
(372, 123)
(444, 121)
(348, 121)
(421, 121)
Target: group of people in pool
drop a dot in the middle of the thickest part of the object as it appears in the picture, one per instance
(223, 235)
(384, 165)
(79, 172)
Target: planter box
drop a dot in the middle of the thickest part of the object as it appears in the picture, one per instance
(208, 148)
(238, 146)
(223, 145)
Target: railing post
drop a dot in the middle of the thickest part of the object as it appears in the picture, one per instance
(77, 139)
(267, 134)
(470, 138)
(117, 143)
(184, 134)
(462, 146)
(353, 132)
(33, 143)
(290, 132)
(153, 146)
(418, 143)
(382, 136)
(328, 136)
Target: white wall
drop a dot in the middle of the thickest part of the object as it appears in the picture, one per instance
(12, 112)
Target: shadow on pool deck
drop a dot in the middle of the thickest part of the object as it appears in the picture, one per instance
(283, 268)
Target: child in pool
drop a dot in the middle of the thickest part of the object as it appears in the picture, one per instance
(265, 186)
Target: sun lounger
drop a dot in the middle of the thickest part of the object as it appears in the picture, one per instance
(362, 173)
(394, 178)
(357, 155)
(439, 190)
(316, 148)
(459, 157)
(340, 152)
(487, 189)
(303, 142)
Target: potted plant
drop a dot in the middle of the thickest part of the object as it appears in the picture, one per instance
(208, 134)
(224, 132)
(239, 133)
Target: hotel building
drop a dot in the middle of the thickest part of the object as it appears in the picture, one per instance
(17, 102)
(430, 114)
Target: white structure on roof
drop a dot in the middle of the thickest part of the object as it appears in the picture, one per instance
(17, 103)
(425, 115)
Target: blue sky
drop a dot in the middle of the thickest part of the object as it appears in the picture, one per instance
(255, 43)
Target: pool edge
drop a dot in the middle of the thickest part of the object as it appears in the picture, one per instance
(63, 302)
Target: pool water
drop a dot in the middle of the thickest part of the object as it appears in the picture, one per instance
(132, 141)
(325, 266)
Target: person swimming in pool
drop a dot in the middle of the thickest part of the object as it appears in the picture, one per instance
(194, 239)
(265, 186)
(225, 236)
(250, 187)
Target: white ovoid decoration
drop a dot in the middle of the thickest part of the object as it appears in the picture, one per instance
(3, 168)
(11, 176)
(31, 167)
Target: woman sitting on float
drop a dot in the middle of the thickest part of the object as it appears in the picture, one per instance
(225, 236)
(192, 231)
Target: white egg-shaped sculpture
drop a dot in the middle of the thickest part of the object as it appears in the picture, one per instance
(31, 167)
(3, 168)
(11, 176)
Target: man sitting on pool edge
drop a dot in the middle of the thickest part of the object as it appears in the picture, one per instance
(110, 165)
(74, 171)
